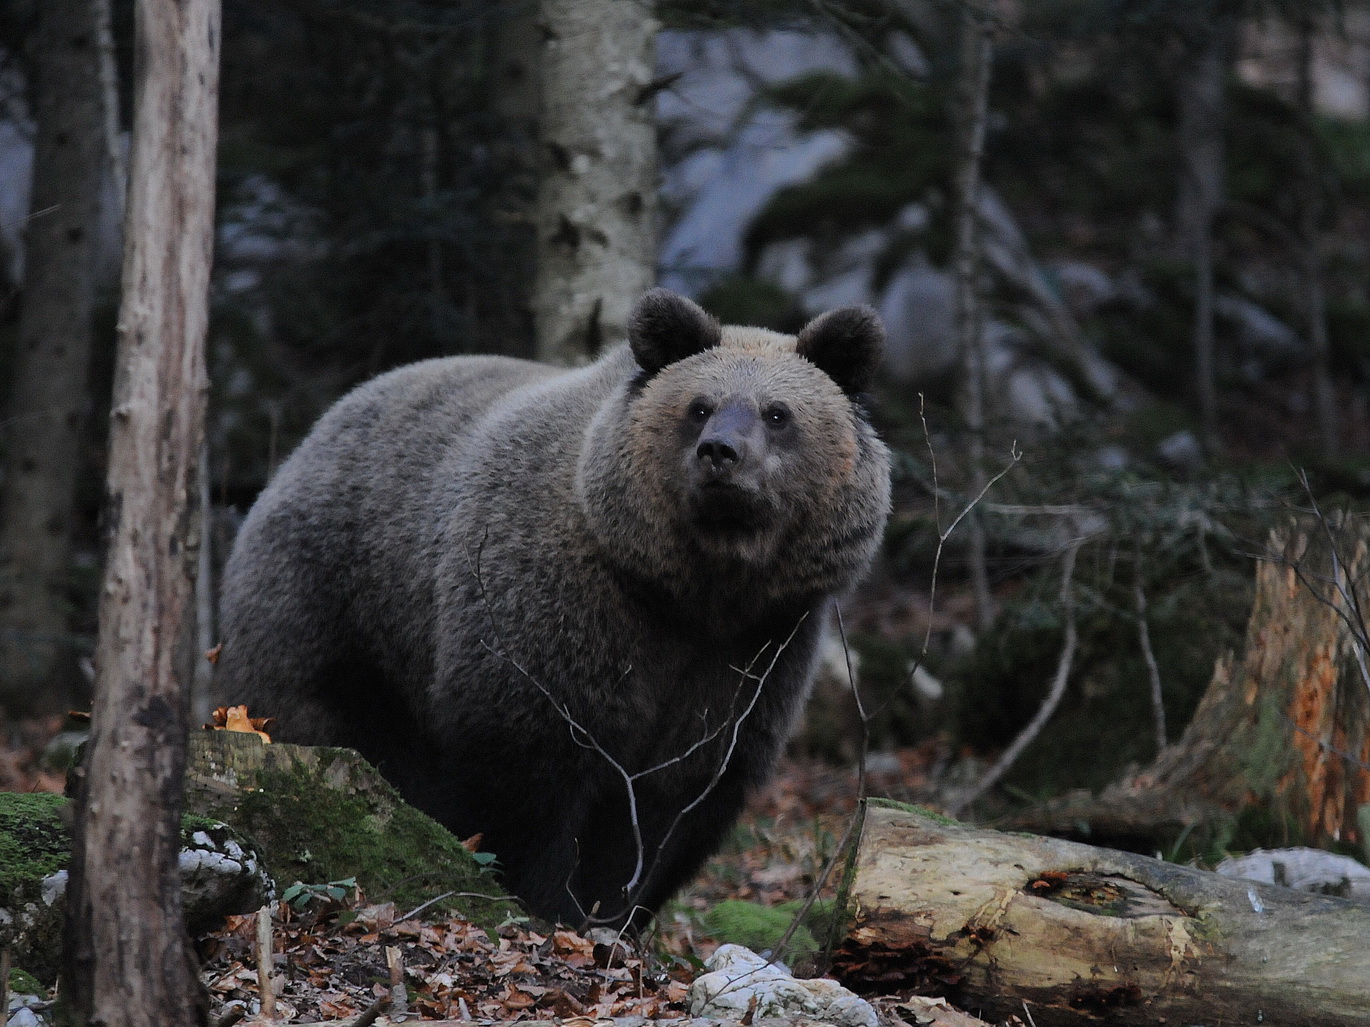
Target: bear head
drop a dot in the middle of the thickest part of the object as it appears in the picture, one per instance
(738, 464)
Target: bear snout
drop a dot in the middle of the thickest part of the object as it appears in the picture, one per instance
(724, 443)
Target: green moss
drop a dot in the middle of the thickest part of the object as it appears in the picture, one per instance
(325, 815)
(24, 983)
(34, 842)
(922, 811)
(758, 927)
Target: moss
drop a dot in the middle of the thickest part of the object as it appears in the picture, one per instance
(758, 927)
(34, 842)
(325, 814)
(24, 983)
(922, 811)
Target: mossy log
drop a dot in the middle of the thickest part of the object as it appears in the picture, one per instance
(1278, 751)
(1085, 935)
(320, 814)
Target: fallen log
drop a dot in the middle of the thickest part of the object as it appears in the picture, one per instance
(992, 921)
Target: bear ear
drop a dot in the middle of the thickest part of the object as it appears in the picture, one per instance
(665, 328)
(846, 343)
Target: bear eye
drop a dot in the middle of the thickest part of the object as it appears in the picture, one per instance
(699, 411)
(777, 415)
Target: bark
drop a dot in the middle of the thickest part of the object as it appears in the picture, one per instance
(515, 45)
(1202, 88)
(1310, 237)
(596, 203)
(128, 960)
(1083, 935)
(1282, 735)
(49, 400)
(977, 50)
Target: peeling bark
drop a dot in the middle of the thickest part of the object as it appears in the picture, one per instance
(1083, 935)
(127, 957)
(596, 204)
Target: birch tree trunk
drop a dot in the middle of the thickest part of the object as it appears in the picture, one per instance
(596, 206)
(49, 400)
(127, 959)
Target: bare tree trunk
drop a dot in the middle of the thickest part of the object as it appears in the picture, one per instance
(49, 400)
(127, 959)
(515, 47)
(597, 196)
(1202, 88)
(1310, 236)
(976, 50)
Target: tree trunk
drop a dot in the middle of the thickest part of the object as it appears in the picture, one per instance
(976, 51)
(1310, 237)
(515, 48)
(596, 202)
(1202, 87)
(127, 958)
(49, 400)
(1280, 743)
(1081, 935)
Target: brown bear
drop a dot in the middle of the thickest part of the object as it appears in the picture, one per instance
(575, 611)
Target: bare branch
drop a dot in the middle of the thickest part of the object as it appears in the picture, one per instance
(1144, 640)
(1053, 699)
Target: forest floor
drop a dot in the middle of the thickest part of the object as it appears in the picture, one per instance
(335, 960)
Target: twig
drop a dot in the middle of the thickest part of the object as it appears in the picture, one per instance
(1144, 639)
(394, 963)
(372, 1012)
(265, 992)
(583, 737)
(431, 902)
(1053, 699)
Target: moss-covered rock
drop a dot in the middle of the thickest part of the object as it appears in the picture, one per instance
(322, 814)
(220, 874)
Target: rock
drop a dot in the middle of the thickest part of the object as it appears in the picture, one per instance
(1303, 869)
(1264, 342)
(742, 984)
(221, 874)
(1084, 287)
(321, 814)
(918, 307)
(1181, 451)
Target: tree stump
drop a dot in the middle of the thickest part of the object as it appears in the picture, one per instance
(1278, 751)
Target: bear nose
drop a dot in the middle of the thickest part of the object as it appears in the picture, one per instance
(723, 443)
(717, 455)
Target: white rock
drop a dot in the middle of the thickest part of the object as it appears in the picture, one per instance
(740, 981)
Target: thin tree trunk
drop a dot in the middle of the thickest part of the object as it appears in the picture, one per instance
(597, 195)
(49, 401)
(1202, 88)
(1310, 233)
(515, 46)
(127, 958)
(977, 50)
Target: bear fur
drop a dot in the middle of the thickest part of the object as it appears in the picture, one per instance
(575, 611)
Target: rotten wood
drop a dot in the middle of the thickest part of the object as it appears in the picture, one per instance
(1079, 933)
(1282, 734)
